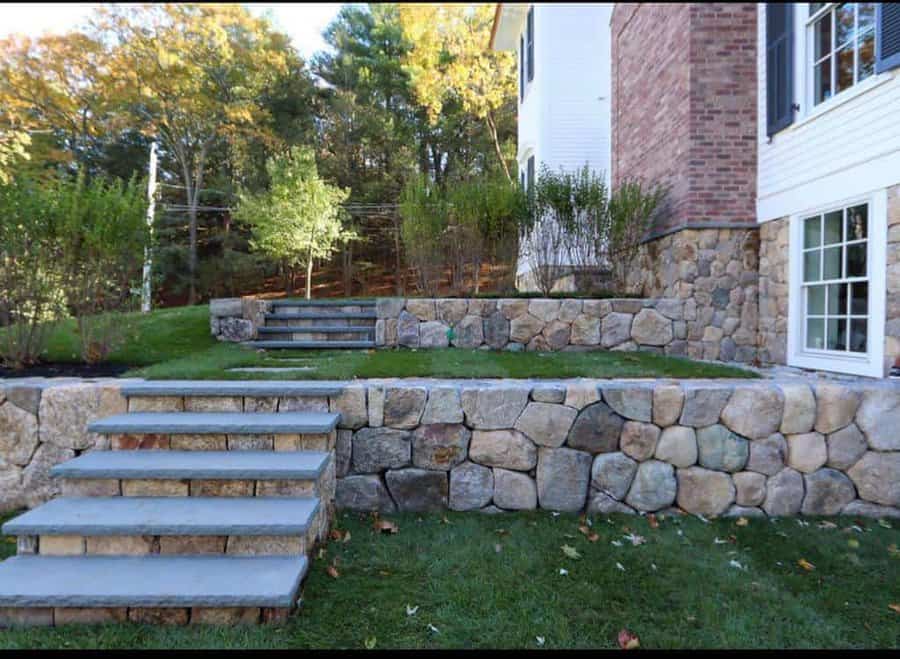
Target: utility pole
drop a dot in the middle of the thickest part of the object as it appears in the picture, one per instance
(151, 207)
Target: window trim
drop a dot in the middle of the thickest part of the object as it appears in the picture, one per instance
(869, 363)
(529, 44)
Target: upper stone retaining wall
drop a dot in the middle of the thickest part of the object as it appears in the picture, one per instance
(237, 318)
(544, 324)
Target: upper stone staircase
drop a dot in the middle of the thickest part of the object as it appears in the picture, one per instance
(318, 324)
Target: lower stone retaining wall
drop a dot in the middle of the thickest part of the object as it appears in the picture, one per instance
(708, 447)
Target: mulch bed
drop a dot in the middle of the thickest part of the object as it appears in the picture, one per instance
(56, 370)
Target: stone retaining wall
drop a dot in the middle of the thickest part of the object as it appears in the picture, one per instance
(544, 324)
(708, 447)
(237, 318)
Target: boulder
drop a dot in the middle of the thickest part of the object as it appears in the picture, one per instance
(615, 329)
(496, 330)
(631, 402)
(66, 410)
(376, 406)
(421, 309)
(581, 394)
(351, 403)
(471, 486)
(407, 330)
(569, 310)
(668, 399)
(433, 334)
(508, 449)
(879, 418)
(639, 440)
(236, 330)
(596, 429)
(514, 491)
(512, 308)
(491, 408)
(544, 309)
(24, 396)
(523, 328)
(389, 307)
(703, 405)
(799, 409)
(651, 328)
(451, 311)
(343, 451)
(19, 434)
(677, 445)
(612, 473)
(585, 331)
(363, 493)
(443, 406)
(563, 476)
(557, 335)
(377, 449)
(836, 407)
(546, 424)
(481, 307)
(37, 484)
(845, 447)
(596, 308)
(704, 492)
(750, 488)
(600, 503)
(807, 452)
(653, 488)
(877, 477)
(440, 446)
(828, 491)
(754, 412)
(720, 449)
(767, 456)
(418, 490)
(468, 332)
(866, 509)
(548, 393)
(226, 306)
(743, 511)
(784, 493)
(403, 406)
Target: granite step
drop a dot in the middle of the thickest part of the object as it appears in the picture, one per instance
(151, 581)
(321, 315)
(246, 388)
(320, 329)
(310, 345)
(337, 302)
(206, 423)
(154, 516)
(196, 465)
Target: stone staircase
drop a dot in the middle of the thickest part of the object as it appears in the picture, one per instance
(204, 510)
(318, 324)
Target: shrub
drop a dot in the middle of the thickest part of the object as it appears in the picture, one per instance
(425, 220)
(633, 207)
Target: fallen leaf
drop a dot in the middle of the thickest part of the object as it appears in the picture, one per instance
(733, 563)
(801, 522)
(335, 534)
(570, 552)
(742, 521)
(893, 550)
(652, 521)
(806, 565)
(620, 566)
(555, 514)
(433, 628)
(635, 540)
(332, 572)
(501, 532)
(615, 543)
(321, 553)
(825, 524)
(653, 566)
(628, 640)
(886, 524)
(563, 571)
(593, 537)
(498, 548)
(717, 541)
(853, 543)
(584, 530)
(539, 639)
(411, 610)
(385, 526)
(444, 520)
(894, 607)
(370, 643)
(346, 537)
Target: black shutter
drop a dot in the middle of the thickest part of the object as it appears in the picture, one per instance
(521, 68)
(530, 173)
(530, 34)
(779, 66)
(887, 35)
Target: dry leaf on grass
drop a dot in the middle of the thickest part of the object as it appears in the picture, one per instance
(332, 572)
(652, 521)
(584, 530)
(742, 521)
(385, 526)
(894, 607)
(628, 640)
(806, 565)
(593, 537)
(570, 552)
(335, 534)
(411, 610)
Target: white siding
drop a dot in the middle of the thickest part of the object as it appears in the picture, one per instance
(842, 148)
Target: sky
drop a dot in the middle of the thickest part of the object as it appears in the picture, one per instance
(304, 22)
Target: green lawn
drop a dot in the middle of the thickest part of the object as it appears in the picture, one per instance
(494, 581)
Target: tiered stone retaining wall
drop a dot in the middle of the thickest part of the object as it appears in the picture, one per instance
(722, 447)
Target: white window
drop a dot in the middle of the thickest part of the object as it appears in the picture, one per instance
(842, 40)
(837, 273)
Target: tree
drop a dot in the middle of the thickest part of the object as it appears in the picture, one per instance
(194, 75)
(450, 61)
(299, 219)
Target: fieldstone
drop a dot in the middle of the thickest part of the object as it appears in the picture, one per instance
(407, 330)
(440, 446)
(615, 329)
(422, 309)
(514, 491)
(496, 330)
(651, 328)
(548, 394)
(703, 405)
(236, 330)
(65, 412)
(720, 449)
(468, 332)
(481, 307)
(751, 488)
(389, 307)
(828, 491)
(807, 452)
(600, 503)
(544, 309)
(471, 486)
(799, 409)
(585, 331)
(743, 511)
(546, 424)
(343, 450)
(538, 344)
(596, 429)
(523, 328)
(653, 488)
(377, 449)
(879, 418)
(509, 449)
(563, 476)
(877, 477)
(582, 394)
(226, 306)
(836, 407)
(668, 399)
(443, 406)
(704, 492)
(18, 434)
(557, 335)
(450, 311)
(612, 473)
(678, 446)
(754, 412)
(24, 396)
(638, 440)
(866, 509)
(845, 447)
(784, 493)
(597, 308)
(630, 402)
(433, 334)
(670, 308)
(403, 406)
(569, 310)
(37, 485)
(512, 308)
(351, 403)
(304, 404)
(11, 494)
(418, 490)
(363, 493)
(491, 408)
(767, 456)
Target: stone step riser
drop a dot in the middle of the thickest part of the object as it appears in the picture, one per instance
(152, 441)
(49, 617)
(311, 345)
(359, 323)
(337, 308)
(267, 404)
(87, 487)
(319, 336)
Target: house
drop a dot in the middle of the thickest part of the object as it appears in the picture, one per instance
(776, 128)
(563, 91)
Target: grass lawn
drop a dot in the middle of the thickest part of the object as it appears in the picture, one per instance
(494, 581)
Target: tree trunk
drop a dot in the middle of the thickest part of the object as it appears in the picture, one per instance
(492, 128)
(192, 253)
(309, 270)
